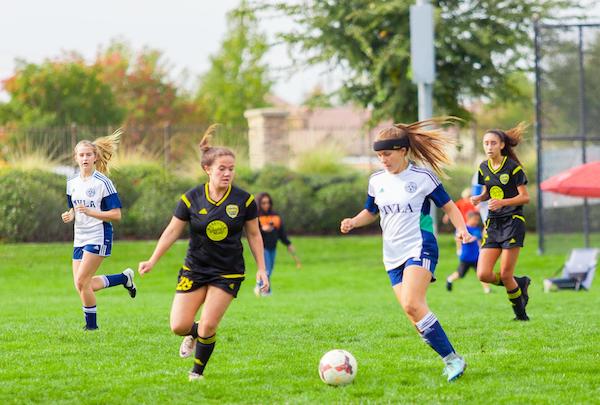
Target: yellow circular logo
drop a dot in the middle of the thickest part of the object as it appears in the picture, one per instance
(504, 178)
(496, 193)
(217, 230)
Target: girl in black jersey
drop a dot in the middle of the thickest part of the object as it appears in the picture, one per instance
(213, 270)
(505, 188)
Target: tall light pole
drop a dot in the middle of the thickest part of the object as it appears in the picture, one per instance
(423, 62)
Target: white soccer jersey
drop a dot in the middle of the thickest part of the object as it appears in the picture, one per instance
(403, 203)
(98, 193)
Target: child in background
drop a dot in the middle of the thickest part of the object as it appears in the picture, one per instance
(469, 252)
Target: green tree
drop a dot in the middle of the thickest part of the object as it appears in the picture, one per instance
(238, 78)
(318, 98)
(142, 86)
(478, 44)
(59, 93)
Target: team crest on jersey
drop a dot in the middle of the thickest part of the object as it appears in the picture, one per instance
(504, 178)
(232, 210)
(411, 187)
(90, 192)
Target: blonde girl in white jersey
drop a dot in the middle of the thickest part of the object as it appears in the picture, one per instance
(401, 196)
(93, 202)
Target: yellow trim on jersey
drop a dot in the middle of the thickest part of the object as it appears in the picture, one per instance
(210, 200)
(207, 340)
(480, 171)
(516, 170)
(186, 201)
(249, 200)
(233, 275)
(498, 169)
(519, 216)
(186, 268)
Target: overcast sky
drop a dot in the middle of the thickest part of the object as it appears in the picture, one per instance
(187, 31)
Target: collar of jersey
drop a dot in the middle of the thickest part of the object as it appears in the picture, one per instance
(499, 167)
(217, 203)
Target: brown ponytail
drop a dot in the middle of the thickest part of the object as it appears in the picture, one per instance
(210, 153)
(511, 139)
(104, 149)
(426, 146)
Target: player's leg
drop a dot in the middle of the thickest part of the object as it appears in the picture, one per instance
(183, 312)
(459, 273)
(86, 268)
(216, 303)
(515, 294)
(485, 266)
(411, 294)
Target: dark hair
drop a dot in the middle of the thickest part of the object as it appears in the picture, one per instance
(511, 139)
(259, 198)
(472, 213)
(211, 153)
(426, 145)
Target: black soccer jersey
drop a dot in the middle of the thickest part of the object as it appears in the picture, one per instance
(216, 229)
(502, 183)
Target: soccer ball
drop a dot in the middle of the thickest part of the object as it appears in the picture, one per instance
(337, 367)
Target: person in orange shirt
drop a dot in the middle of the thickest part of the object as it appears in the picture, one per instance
(272, 230)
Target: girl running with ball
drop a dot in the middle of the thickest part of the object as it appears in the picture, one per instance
(401, 196)
(93, 203)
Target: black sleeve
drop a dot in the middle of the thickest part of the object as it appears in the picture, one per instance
(519, 176)
(480, 177)
(182, 211)
(251, 210)
(282, 234)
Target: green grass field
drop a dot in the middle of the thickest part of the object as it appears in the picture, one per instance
(268, 349)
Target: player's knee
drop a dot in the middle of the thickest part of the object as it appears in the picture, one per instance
(180, 328)
(411, 308)
(506, 275)
(82, 284)
(207, 327)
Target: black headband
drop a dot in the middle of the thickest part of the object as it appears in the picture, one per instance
(391, 144)
(501, 134)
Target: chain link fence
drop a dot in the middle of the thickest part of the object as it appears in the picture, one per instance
(567, 115)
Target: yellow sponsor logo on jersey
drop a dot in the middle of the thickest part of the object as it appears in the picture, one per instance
(203, 211)
(487, 178)
(232, 210)
(496, 193)
(504, 178)
(217, 230)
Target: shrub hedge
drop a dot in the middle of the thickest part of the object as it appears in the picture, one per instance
(31, 201)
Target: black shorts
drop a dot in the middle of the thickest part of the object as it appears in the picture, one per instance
(463, 267)
(504, 233)
(189, 281)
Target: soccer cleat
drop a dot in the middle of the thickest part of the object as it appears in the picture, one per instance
(188, 346)
(523, 283)
(195, 376)
(130, 285)
(455, 366)
(85, 328)
(448, 285)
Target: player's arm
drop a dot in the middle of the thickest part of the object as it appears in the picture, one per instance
(166, 240)
(256, 247)
(457, 220)
(363, 218)
(68, 216)
(109, 215)
(484, 196)
(520, 199)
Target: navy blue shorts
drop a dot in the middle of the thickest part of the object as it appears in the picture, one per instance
(100, 250)
(426, 262)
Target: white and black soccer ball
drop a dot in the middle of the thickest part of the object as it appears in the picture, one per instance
(338, 367)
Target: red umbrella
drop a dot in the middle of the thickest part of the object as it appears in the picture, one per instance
(580, 181)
